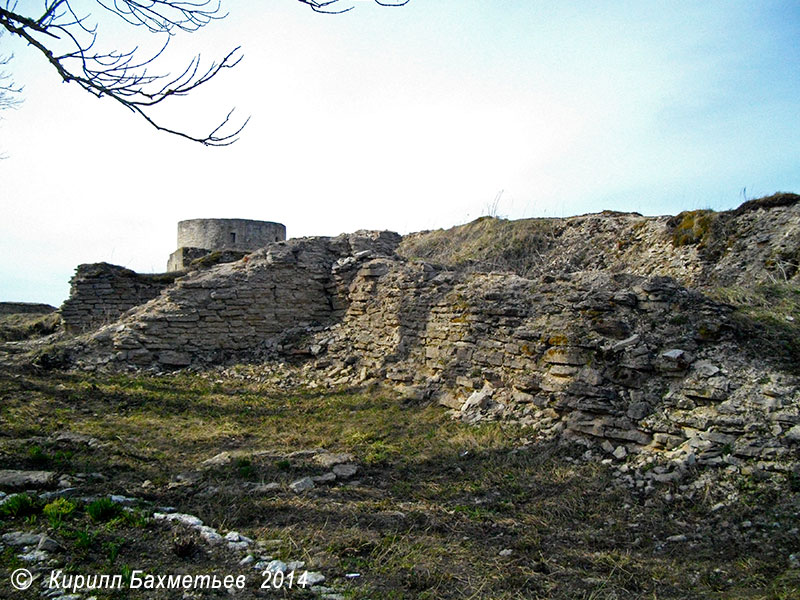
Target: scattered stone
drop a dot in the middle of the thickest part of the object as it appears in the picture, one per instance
(209, 534)
(302, 485)
(20, 538)
(70, 437)
(328, 459)
(235, 536)
(345, 471)
(506, 552)
(325, 478)
(124, 500)
(68, 492)
(794, 434)
(237, 541)
(223, 458)
(48, 544)
(35, 556)
(276, 566)
(22, 480)
(313, 578)
(479, 399)
(264, 488)
(186, 519)
(303, 454)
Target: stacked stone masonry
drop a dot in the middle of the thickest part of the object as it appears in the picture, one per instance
(101, 293)
(631, 361)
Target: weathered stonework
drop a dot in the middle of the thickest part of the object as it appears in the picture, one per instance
(241, 308)
(101, 293)
(614, 358)
(595, 341)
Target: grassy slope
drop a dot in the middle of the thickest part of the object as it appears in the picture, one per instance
(435, 502)
(487, 244)
(26, 326)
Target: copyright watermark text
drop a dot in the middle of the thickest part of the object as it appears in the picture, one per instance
(22, 579)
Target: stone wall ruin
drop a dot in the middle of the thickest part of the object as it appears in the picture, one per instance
(613, 350)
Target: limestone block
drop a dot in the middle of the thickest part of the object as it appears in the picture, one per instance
(173, 358)
(565, 355)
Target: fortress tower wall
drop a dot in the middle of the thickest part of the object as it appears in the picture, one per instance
(229, 234)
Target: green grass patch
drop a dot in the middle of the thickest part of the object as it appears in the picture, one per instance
(103, 509)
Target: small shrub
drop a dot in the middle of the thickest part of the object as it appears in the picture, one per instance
(283, 465)
(127, 573)
(113, 548)
(37, 455)
(103, 509)
(244, 468)
(84, 539)
(62, 457)
(57, 510)
(20, 505)
(691, 227)
(134, 518)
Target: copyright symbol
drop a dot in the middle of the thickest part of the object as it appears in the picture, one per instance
(21, 579)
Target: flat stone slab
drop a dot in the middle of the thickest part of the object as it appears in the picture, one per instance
(328, 459)
(302, 485)
(21, 538)
(22, 480)
(345, 471)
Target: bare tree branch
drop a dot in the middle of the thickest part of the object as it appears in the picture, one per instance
(322, 7)
(9, 91)
(68, 41)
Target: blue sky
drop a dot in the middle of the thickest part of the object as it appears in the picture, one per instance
(407, 119)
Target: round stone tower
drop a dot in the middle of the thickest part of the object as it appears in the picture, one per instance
(229, 234)
(197, 237)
